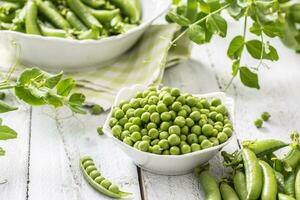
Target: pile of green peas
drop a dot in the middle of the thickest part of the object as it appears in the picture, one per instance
(170, 123)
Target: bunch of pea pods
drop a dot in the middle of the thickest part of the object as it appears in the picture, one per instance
(75, 19)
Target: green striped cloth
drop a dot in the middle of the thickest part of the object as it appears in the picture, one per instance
(143, 64)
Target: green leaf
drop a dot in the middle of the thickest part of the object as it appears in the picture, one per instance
(236, 47)
(235, 11)
(65, 86)
(55, 100)
(217, 25)
(204, 7)
(6, 108)
(254, 48)
(192, 8)
(53, 80)
(179, 19)
(256, 29)
(75, 103)
(295, 12)
(2, 151)
(235, 67)
(213, 5)
(28, 75)
(272, 29)
(249, 78)
(39, 93)
(7, 133)
(25, 95)
(288, 34)
(197, 34)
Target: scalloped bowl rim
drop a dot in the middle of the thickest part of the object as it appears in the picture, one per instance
(107, 129)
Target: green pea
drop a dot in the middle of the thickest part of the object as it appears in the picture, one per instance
(182, 143)
(216, 101)
(164, 144)
(215, 132)
(187, 109)
(189, 122)
(113, 188)
(99, 179)
(195, 147)
(183, 137)
(184, 130)
(213, 115)
(138, 112)
(127, 125)
(203, 116)
(145, 93)
(155, 118)
(130, 113)
(204, 111)
(196, 129)
(195, 116)
(174, 140)
(106, 183)
(219, 124)
(127, 140)
(199, 105)
(164, 126)
(218, 127)
(88, 163)
(163, 135)
(146, 138)
(90, 168)
(204, 103)
(195, 109)
(96, 109)
(176, 106)
(192, 138)
(136, 136)
(137, 121)
(116, 131)
(144, 132)
(161, 107)
(134, 103)
(94, 174)
(181, 99)
(138, 94)
(221, 109)
(212, 108)
(153, 133)
(180, 121)
(214, 140)
(143, 146)
(185, 149)
(123, 121)
(143, 103)
(265, 116)
(125, 107)
(124, 134)
(151, 125)
(173, 114)
(174, 150)
(211, 122)
(228, 131)
(258, 123)
(134, 128)
(219, 117)
(156, 149)
(206, 144)
(201, 138)
(175, 92)
(182, 113)
(154, 142)
(174, 129)
(207, 130)
(166, 152)
(100, 130)
(119, 114)
(168, 100)
(165, 116)
(152, 108)
(153, 100)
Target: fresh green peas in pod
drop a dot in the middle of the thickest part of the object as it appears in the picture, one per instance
(214, 140)
(113, 188)
(182, 113)
(164, 144)
(164, 126)
(215, 102)
(154, 142)
(151, 125)
(176, 106)
(128, 141)
(184, 130)
(207, 130)
(106, 183)
(192, 138)
(94, 174)
(143, 146)
(145, 117)
(186, 149)
(227, 192)
(239, 181)
(152, 109)
(163, 135)
(181, 99)
(112, 122)
(99, 179)
(201, 138)
(195, 147)
(187, 109)
(205, 103)
(138, 112)
(222, 137)
(88, 163)
(174, 129)
(134, 128)
(153, 133)
(161, 107)
(155, 118)
(91, 168)
(289, 184)
(189, 122)
(206, 144)
(297, 183)
(196, 129)
(156, 149)
(116, 131)
(136, 136)
(174, 150)
(183, 137)
(174, 140)
(180, 121)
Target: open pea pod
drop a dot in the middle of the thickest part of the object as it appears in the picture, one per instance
(92, 175)
(292, 159)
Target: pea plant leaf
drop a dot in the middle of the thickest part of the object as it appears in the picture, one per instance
(64, 87)
(235, 67)
(179, 19)
(236, 47)
(249, 78)
(6, 108)
(53, 80)
(255, 48)
(7, 133)
(217, 24)
(197, 34)
(75, 103)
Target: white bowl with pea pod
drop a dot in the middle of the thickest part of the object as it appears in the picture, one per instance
(56, 54)
(167, 164)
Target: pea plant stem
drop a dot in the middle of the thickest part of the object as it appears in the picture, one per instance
(197, 22)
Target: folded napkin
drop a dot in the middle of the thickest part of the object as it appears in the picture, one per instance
(143, 64)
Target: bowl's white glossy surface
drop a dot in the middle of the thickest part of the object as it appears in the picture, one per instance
(167, 164)
(55, 54)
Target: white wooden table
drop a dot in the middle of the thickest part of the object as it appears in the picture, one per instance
(42, 163)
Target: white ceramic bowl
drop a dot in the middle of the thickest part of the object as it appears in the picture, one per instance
(55, 54)
(167, 164)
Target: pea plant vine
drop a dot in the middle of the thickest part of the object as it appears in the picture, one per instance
(201, 19)
(36, 88)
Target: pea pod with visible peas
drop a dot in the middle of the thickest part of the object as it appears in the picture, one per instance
(130, 8)
(228, 192)
(31, 19)
(269, 190)
(239, 181)
(97, 181)
(253, 174)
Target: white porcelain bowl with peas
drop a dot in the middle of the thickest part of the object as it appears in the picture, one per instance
(170, 134)
(56, 54)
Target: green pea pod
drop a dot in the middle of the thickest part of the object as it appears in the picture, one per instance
(31, 24)
(92, 34)
(105, 16)
(269, 191)
(130, 8)
(228, 192)
(52, 32)
(263, 147)
(75, 21)
(84, 13)
(292, 159)
(209, 185)
(52, 15)
(289, 184)
(253, 174)
(285, 197)
(297, 184)
(280, 181)
(94, 3)
(92, 175)
(239, 181)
